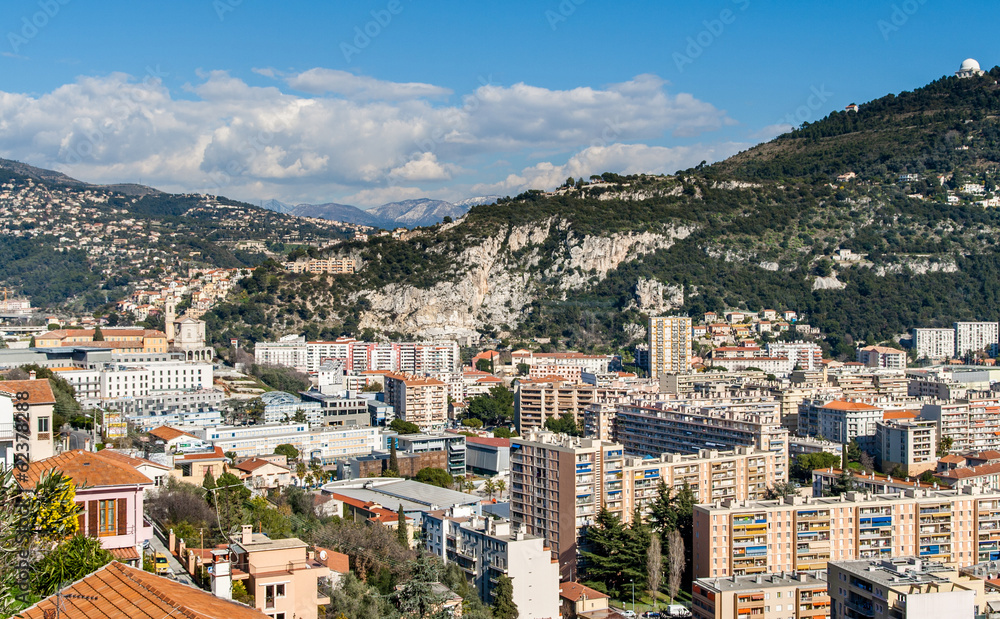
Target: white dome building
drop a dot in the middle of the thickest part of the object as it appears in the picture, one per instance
(969, 68)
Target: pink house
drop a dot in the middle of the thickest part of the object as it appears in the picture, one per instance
(110, 495)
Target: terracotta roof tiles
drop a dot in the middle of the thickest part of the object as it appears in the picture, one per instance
(39, 391)
(574, 592)
(87, 469)
(117, 591)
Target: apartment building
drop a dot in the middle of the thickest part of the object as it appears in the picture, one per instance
(907, 444)
(800, 595)
(336, 266)
(934, 344)
(805, 355)
(537, 400)
(841, 420)
(558, 484)
(882, 357)
(423, 401)
(120, 381)
(281, 405)
(740, 474)
(325, 444)
(597, 364)
(971, 424)
(971, 337)
(487, 548)
(689, 425)
(357, 356)
(901, 588)
(669, 345)
(869, 383)
(451, 445)
(824, 480)
(956, 527)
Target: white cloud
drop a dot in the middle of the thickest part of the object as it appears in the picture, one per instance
(320, 81)
(360, 137)
(383, 195)
(618, 158)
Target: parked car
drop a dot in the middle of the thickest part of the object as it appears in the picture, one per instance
(160, 565)
(628, 613)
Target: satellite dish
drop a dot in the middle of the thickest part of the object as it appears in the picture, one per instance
(322, 555)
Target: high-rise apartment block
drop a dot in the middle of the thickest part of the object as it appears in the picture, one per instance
(558, 484)
(669, 345)
(955, 527)
(407, 357)
(934, 343)
(423, 401)
(689, 425)
(972, 337)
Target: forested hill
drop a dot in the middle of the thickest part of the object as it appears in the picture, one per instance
(587, 265)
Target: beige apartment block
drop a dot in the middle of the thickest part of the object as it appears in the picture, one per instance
(801, 595)
(669, 345)
(537, 400)
(423, 401)
(955, 527)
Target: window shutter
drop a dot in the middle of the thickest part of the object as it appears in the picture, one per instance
(122, 517)
(81, 517)
(92, 518)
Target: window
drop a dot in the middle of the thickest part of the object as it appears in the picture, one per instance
(271, 592)
(43, 424)
(106, 515)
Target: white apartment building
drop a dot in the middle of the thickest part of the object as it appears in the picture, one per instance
(326, 444)
(669, 345)
(423, 401)
(972, 337)
(487, 548)
(411, 357)
(882, 357)
(934, 343)
(806, 355)
(910, 444)
(114, 381)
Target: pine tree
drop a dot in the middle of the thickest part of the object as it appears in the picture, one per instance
(401, 530)
(503, 599)
(393, 460)
(98, 334)
(209, 483)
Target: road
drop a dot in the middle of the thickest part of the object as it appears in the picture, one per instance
(157, 545)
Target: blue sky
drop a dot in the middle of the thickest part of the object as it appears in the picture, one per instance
(371, 101)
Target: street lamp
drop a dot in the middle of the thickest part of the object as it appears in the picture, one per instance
(633, 596)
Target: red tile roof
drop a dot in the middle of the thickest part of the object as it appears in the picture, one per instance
(844, 405)
(167, 433)
(251, 465)
(39, 391)
(483, 440)
(87, 469)
(952, 459)
(574, 592)
(117, 591)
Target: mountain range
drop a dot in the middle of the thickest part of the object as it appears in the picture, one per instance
(406, 213)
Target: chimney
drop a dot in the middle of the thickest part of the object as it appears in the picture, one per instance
(32, 375)
(222, 575)
(247, 536)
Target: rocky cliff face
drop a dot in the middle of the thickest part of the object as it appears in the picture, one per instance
(500, 282)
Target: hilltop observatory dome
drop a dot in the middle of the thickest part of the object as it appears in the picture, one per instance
(969, 68)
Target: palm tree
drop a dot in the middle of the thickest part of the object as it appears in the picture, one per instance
(300, 470)
(500, 485)
(489, 488)
(469, 486)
